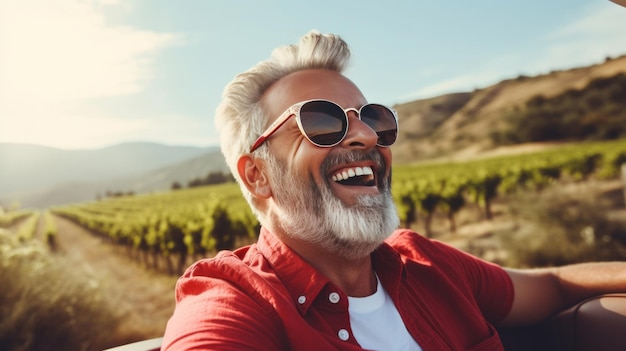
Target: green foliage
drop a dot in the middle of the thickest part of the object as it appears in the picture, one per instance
(199, 221)
(181, 223)
(10, 218)
(407, 208)
(27, 229)
(453, 199)
(211, 179)
(50, 230)
(433, 187)
(597, 112)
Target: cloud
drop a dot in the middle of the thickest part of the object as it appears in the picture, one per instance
(65, 129)
(57, 53)
(466, 82)
(70, 129)
(590, 39)
(64, 50)
(584, 41)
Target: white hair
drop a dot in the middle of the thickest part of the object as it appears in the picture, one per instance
(240, 119)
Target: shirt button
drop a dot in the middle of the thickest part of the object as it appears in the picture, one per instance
(302, 299)
(343, 334)
(334, 297)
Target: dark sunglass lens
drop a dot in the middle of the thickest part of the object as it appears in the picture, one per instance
(382, 120)
(323, 122)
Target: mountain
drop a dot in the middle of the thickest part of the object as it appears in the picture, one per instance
(41, 176)
(464, 124)
(451, 126)
(163, 178)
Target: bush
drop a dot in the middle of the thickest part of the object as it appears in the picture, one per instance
(596, 112)
(46, 306)
(563, 227)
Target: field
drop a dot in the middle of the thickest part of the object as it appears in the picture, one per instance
(547, 207)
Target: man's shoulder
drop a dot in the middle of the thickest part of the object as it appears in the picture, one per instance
(411, 244)
(243, 271)
(225, 263)
(402, 238)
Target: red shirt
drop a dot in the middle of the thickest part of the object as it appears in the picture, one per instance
(265, 297)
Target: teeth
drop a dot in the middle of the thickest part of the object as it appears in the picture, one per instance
(352, 172)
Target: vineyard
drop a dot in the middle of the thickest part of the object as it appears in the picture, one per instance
(170, 227)
(448, 187)
(167, 230)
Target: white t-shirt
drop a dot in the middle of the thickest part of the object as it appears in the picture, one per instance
(377, 325)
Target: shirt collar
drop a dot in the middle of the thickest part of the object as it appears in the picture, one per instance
(389, 267)
(303, 282)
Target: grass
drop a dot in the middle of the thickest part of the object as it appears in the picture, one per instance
(45, 306)
(577, 222)
(567, 222)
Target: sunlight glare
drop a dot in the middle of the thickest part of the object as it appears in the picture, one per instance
(55, 54)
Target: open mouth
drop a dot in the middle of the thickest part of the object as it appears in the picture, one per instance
(355, 176)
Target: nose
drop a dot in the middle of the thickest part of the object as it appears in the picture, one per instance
(359, 135)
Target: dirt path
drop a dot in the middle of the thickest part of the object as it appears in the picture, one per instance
(146, 298)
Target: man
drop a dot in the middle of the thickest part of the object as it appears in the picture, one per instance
(329, 270)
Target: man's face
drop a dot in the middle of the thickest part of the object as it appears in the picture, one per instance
(313, 200)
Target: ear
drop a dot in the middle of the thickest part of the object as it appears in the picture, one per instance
(253, 174)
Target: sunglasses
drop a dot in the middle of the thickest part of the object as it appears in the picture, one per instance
(325, 124)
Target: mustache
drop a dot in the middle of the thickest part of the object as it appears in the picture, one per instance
(339, 157)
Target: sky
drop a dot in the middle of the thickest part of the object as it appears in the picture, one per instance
(93, 73)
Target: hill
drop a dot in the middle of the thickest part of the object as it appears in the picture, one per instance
(453, 126)
(38, 176)
(466, 124)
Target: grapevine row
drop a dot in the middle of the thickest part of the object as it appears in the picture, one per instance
(10, 218)
(450, 186)
(169, 226)
(28, 228)
(195, 222)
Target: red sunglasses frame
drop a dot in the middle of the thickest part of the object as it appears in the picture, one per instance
(294, 110)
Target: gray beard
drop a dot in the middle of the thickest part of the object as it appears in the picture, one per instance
(310, 212)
